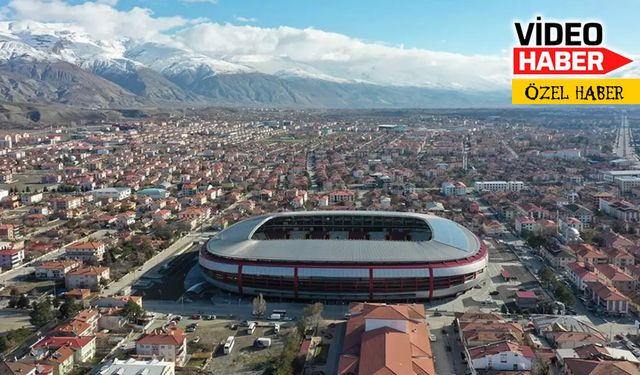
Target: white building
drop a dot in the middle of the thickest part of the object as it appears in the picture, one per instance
(3, 193)
(11, 258)
(449, 189)
(134, 367)
(31, 198)
(85, 251)
(171, 346)
(502, 356)
(525, 223)
(495, 186)
(610, 176)
(626, 183)
(86, 278)
(113, 193)
(569, 154)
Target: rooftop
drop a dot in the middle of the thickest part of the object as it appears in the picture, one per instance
(449, 240)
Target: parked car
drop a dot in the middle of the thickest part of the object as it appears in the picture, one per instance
(195, 317)
(209, 317)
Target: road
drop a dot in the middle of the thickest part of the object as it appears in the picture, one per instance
(623, 146)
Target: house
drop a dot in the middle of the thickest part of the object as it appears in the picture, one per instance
(622, 210)
(137, 367)
(85, 251)
(170, 345)
(579, 366)
(11, 258)
(55, 269)
(502, 356)
(579, 275)
(9, 232)
(83, 348)
(386, 339)
(125, 219)
(67, 203)
(341, 196)
(526, 299)
(608, 298)
(118, 301)
(31, 198)
(86, 278)
(111, 318)
(72, 328)
(17, 368)
(615, 277)
(117, 194)
(525, 224)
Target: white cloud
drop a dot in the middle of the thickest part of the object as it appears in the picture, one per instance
(269, 49)
(244, 19)
(272, 50)
(99, 19)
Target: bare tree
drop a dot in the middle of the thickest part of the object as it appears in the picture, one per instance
(259, 305)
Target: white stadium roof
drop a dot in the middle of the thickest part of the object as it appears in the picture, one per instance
(450, 241)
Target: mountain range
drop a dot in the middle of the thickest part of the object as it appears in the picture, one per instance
(43, 64)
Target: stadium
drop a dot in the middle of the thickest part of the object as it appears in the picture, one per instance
(345, 255)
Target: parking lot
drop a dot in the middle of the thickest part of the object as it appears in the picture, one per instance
(244, 358)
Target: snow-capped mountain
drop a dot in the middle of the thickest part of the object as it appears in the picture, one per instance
(60, 63)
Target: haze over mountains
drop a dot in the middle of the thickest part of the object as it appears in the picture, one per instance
(45, 63)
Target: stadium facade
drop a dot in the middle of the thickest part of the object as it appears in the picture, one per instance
(350, 255)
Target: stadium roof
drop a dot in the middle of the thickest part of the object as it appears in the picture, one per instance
(450, 241)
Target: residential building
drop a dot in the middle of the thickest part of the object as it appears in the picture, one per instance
(55, 269)
(502, 356)
(341, 196)
(496, 186)
(115, 193)
(170, 345)
(11, 258)
(608, 298)
(86, 278)
(86, 251)
(525, 224)
(31, 198)
(136, 367)
(17, 368)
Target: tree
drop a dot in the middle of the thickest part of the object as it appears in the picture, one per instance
(259, 305)
(546, 275)
(69, 308)
(42, 313)
(564, 295)
(23, 302)
(540, 366)
(313, 313)
(4, 344)
(132, 311)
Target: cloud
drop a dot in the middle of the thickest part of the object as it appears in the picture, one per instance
(280, 49)
(244, 19)
(100, 19)
(338, 55)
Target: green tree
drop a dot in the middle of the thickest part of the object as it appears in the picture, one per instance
(4, 344)
(42, 313)
(132, 311)
(564, 295)
(69, 308)
(23, 302)
(547, 275)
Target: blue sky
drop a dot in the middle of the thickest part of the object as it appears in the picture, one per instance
(468, 27)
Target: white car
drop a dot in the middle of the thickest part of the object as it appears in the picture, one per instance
(432, 337)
